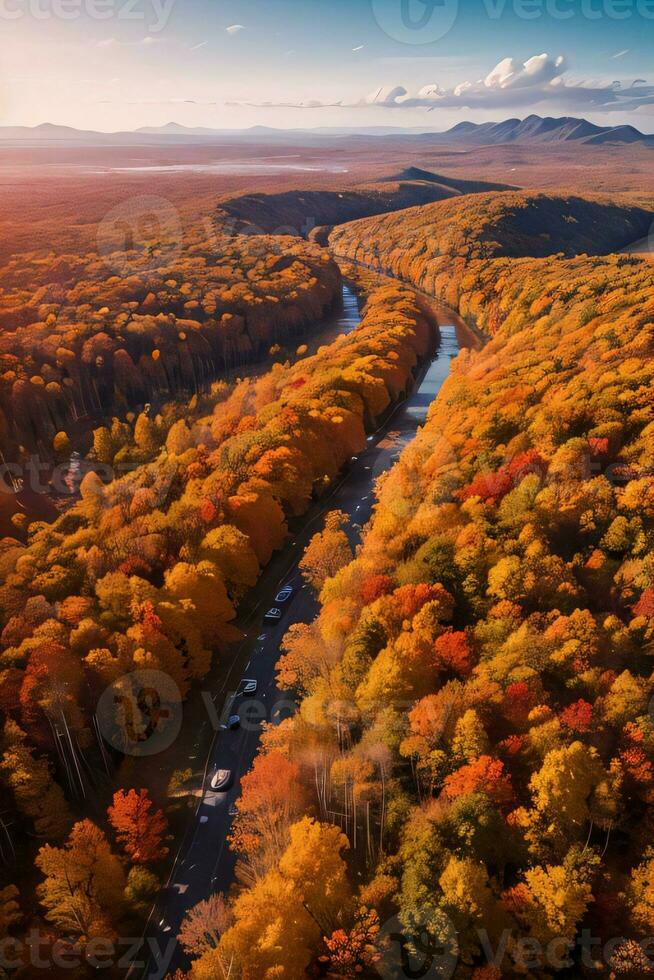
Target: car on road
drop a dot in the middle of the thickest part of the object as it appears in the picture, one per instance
(273, 615)
(233, 809)
(221, 780)
(284, 595)
(233, 722)
(249, 687)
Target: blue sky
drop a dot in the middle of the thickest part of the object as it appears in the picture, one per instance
(111, 64)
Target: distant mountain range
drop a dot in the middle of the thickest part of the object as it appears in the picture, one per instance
(532, 130)
(536, 129)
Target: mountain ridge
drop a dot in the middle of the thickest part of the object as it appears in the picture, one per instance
(532, 129)
(548, 129)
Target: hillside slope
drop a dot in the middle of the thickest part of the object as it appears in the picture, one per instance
(475, 691)
(80, 343)
(420, 244)
(297, 212)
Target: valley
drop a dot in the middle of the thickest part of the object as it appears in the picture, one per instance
(414, 386)
(205, 864)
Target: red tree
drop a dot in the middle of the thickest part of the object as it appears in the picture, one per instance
(452, 652)
(374, 586)
(645, 605)
(519, 699)
(484, 775)
(578, 716)
(139, 829)
(408, 600)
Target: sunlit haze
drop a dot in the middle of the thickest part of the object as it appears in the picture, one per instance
(122, 64)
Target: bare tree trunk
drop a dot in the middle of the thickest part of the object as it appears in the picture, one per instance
(383, 810)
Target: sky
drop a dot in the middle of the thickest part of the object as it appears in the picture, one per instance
(120, 64)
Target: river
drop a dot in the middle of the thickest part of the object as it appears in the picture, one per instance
(205, 864)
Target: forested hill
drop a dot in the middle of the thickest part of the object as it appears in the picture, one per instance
(479, 680)
(489, 650)
(297, 212)
(513, 223)
(83, 337)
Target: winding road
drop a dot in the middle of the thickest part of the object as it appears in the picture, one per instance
(205, 863)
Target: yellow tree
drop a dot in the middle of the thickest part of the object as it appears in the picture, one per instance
(313, 861)
(554, 898)
(279, 922)
(84, 883)
(468, 899)
(202, 588)
(639, 895)
(571, 788)
(273, 935)
(29, 777)
(230, 550)
(327, 552)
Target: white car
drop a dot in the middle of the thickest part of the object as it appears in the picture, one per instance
(221, 780)
(273, 615)
(284, 595)
(249, 687)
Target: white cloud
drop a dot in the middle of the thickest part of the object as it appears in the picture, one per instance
(157, 102)
(303, 104)
(359, 47)
(196, 47)
(538, 70)
(234, 28)
(112, 42)
(388, 95)
(540, 80)
(620, 54)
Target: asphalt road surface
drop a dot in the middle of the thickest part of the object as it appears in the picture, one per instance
(206, 863)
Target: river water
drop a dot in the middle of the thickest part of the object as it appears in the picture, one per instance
(205, 863)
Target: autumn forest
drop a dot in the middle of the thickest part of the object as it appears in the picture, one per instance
(453, 474)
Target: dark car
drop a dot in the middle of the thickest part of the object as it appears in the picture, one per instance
(284, 595)
(232, 722)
